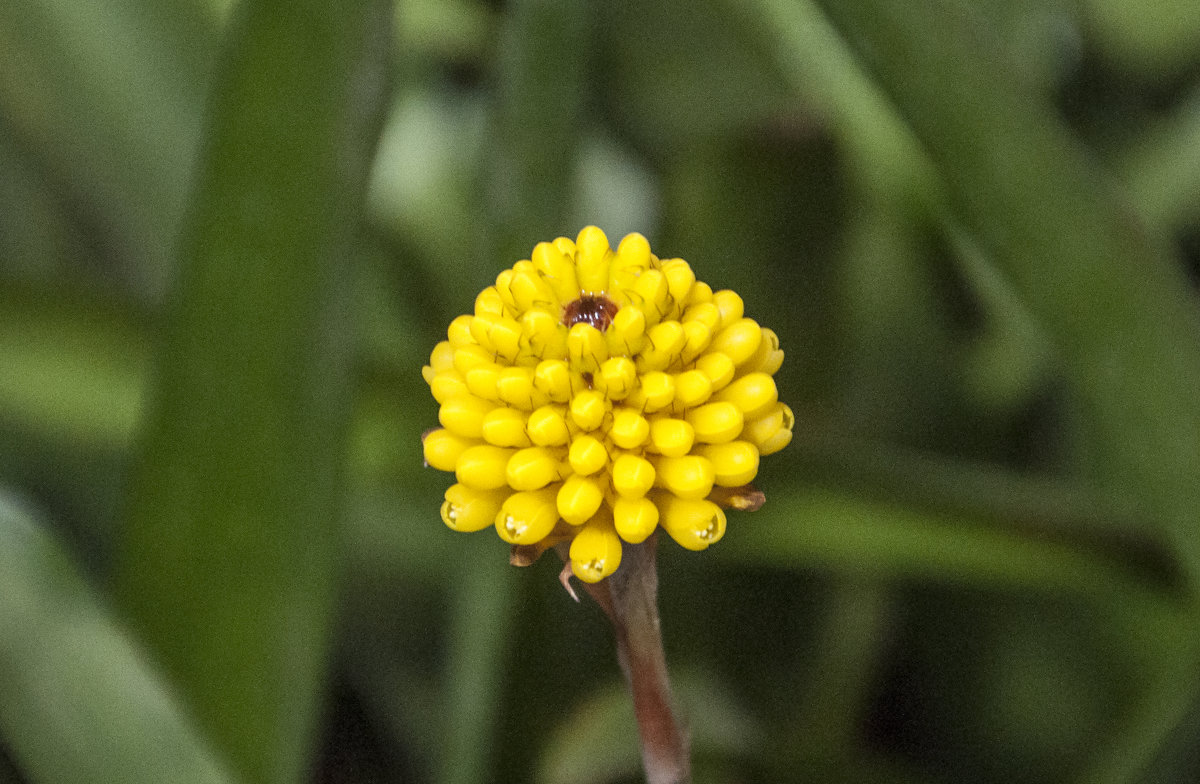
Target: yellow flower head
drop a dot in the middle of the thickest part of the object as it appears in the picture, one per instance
(598, 394)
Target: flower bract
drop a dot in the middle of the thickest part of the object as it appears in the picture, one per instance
(596, 395)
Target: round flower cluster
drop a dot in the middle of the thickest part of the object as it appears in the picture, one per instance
(596, 395)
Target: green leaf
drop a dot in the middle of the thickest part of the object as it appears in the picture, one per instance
(1153, 36)
(889, 540)
(1114, 305)
(228, 561)
(79, 701)
(72, 366)
(106, 98)
(537, 121)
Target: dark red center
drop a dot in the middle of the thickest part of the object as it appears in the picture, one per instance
(597, 310)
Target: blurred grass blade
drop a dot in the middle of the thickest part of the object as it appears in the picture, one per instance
(1116, 310)
(72, 366)
(228, 561)
(78, 701)
(847, 532)
(1115, 306)
(480, 629)
(105, 96)
(537, 122)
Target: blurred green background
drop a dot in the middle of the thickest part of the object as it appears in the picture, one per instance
(231, 233)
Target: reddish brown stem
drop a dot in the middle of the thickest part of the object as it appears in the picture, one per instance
(630, 599)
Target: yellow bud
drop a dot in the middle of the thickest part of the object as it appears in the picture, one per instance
(694, 524)
(530, 291)
(635, 518)
(626, 335)
(515, 386)
(595, 551)
(578, 499)
(586, 348)
(524, 267)
(696, 339)
(547, 426)
(442, 449)
(553, 378)
(632, 476)
(481, 380)
(464, 415)
(766, 429)
(503, 281)
(656, 393)
(459, 332)
(471, 510)
(739, 340)
(776, 442)
(505, 337)
(634, 251)
(592, 254)
(754, 394)
(764, 355)
(482, 467)
(701, 292)
(730, 305)
(651, 292)
(631, 260)
(447, 384)
(629, 428)
(672, 437)
(773, 357)
(588, 409)
(718, 367)
(617, 377)
(692, 388)
(557, 270)
(587, 455)
(479, 327)
(705, 313)
(527, 518)
(690, 476)
(734, 464)
(665, 341)
(680, 279)
(565, 245)
(716, 423)
(442, 356)
(467, 357)
(505, 427)
(532, 469)
(542, 336)
(489, 303)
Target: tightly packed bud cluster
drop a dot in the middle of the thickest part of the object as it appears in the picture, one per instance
(596, 395)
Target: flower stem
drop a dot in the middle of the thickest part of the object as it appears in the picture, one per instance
(630, 600)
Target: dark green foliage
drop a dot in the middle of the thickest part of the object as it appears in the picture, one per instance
(230, 236)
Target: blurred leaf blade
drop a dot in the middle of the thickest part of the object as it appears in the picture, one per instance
(79, 700)
(106, 96)
(1113, 303)
(72, 366)
(228, 561)
(543, 58)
